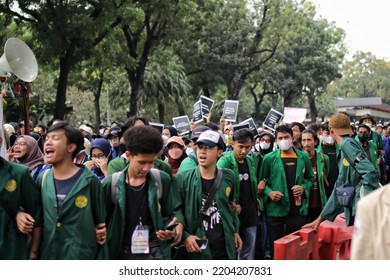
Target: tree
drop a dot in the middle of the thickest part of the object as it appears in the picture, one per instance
(63, 32)
(165, 81)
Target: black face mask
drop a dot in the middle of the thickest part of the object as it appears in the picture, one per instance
(122, 147)
(363, 138)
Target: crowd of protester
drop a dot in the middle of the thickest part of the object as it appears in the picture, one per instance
(129, 191)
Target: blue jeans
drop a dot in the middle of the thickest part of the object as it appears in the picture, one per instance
(248, 236)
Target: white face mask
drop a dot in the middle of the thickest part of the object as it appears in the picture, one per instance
(328, 140)
(285, 144)
(320, 138)
(264, 145)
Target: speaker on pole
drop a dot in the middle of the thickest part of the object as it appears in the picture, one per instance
(18, 59)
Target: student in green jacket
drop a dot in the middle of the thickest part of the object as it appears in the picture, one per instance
(289, 178)
(18, 191)
(375, 137)
(354, 169)
(138, 208)
(245, 173)
(320, 165)
(73, 201)
(330, 148)
(120, 163)
(220, 224)
(191, 161)
(363, 136)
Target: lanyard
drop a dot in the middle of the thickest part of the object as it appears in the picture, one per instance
(139, 207)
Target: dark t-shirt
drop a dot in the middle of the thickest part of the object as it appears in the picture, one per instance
(212, 224)
(63, 187)
(136, 208)
(314, 199)
(333, 171)
(248, 215)
(290, 169)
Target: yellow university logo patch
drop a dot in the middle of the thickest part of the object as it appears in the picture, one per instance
(345, 162)
(81, 201)
(228, 190)
(11, 185)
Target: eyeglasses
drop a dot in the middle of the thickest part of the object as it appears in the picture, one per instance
(97, 157)
(21, 144)
(264, 140)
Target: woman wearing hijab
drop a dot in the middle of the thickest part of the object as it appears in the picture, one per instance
(27, 152)
(100, 156)
(175, 153)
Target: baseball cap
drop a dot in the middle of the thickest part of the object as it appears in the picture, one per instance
(115, 131)
(211, 139)
(86, 128)
(175, 139)
(341, 124)
(9, 128)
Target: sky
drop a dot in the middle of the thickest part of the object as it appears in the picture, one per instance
(365, 22)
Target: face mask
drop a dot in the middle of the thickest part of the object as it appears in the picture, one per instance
(328, 140)
(175, 153)
(363, 138)
(285, 144)
(189, 150)
(122, 147)
(320, 138)
(265, 145)
(257, 147)
(101, 131)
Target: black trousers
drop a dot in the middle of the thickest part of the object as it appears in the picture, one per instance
(278, 227)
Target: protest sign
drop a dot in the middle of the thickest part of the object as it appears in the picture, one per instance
(273, 118)
(230, 109)
(182, 124)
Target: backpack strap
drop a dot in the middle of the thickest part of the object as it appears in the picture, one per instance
(156, 174)
(114, 181)
(193, 158)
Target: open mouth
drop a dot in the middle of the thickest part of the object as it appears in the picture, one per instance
(49, 152)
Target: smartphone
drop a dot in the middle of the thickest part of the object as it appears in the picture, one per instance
(171, 227)
(202, 243)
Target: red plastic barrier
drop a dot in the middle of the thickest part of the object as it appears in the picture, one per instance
(331, 242)
(334, 240)
(298, 245)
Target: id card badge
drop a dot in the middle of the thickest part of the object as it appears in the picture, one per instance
(140, 240)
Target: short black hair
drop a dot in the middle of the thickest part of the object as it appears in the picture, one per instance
(283, 128)
(300, 125)
(315, 127)
(73, 135)
(313, 133)
(143, 140)
(212, 126)
(242, 135)
(364, 126)
(132, 120)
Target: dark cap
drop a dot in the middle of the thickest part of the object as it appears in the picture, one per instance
(211, 139)
(341, 124)
(367, 117)
(115, 131)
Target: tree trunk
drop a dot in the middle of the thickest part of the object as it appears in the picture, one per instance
(161, 111)
(65, 64)
(312, 106)
(97, 95)
(234, 87)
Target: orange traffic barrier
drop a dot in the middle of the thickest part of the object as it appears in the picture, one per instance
(331, 242)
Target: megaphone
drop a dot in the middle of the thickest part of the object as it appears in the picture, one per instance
(19, 60)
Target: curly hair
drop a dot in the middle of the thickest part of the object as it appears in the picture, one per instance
(143, 140)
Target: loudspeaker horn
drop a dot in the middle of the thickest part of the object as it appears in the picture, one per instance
(19, 60)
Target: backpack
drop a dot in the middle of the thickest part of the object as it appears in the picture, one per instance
(115, 177)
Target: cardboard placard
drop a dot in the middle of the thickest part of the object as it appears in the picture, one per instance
(230, 109)
(158, 126)
(197, 114)
(207, 105)
(294, 115)
(239, 126)
(252, 125)
(182, 124)
(273, 117)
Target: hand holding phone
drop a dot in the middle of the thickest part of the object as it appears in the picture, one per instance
(202, 243)
(171, 227)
